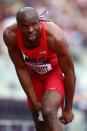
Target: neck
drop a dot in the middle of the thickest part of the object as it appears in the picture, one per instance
(29, 45)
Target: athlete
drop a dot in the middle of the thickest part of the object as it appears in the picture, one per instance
(44, 66)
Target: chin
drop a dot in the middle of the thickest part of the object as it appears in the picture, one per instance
(32, 41)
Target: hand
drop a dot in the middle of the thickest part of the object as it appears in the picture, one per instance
(37, 106)
(67, 117)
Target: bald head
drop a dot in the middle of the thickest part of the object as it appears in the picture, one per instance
(29, 24)
(27, 14)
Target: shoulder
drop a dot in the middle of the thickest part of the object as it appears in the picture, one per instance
(10, 36)
(55, 36)
(54, 30)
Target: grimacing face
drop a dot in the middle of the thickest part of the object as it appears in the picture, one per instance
(30, 30)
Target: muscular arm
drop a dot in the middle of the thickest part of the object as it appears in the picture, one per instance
(10, 40)
(67, 67)
(59, 45)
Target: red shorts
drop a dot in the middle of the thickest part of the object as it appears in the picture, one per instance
(53, 80)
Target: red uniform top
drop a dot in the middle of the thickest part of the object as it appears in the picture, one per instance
(40, 59)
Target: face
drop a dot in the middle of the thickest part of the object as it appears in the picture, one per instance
(30, 30)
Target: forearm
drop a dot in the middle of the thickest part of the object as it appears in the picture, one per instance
(69, 84)
(26, 83)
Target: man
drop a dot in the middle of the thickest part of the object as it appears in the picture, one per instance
(37, 49)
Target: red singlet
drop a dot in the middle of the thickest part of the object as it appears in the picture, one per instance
(43, 66)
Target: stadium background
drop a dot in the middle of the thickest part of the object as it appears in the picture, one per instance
(71, 16)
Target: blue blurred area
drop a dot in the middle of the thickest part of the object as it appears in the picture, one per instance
(71, 16)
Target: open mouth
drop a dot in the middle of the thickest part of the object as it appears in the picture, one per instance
(31, 36)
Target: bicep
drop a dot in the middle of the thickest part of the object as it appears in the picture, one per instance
(64, 55)
(66, 64)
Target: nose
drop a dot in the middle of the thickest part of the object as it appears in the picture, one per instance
(30, 29)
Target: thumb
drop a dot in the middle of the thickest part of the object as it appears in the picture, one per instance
(60, 118)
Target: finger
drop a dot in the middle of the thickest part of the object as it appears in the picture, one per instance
(60, 118)
(67, 122)
(62, 121)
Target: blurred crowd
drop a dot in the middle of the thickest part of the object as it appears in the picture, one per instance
(71, 16)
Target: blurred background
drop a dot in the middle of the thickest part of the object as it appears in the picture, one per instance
(71, 16)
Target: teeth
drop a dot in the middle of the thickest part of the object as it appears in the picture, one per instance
(31, 35)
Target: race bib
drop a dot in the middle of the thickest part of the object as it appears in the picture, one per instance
(40, 68)
(38, 64)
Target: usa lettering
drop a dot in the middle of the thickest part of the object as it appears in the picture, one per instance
(35, 60)
(38, 64)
